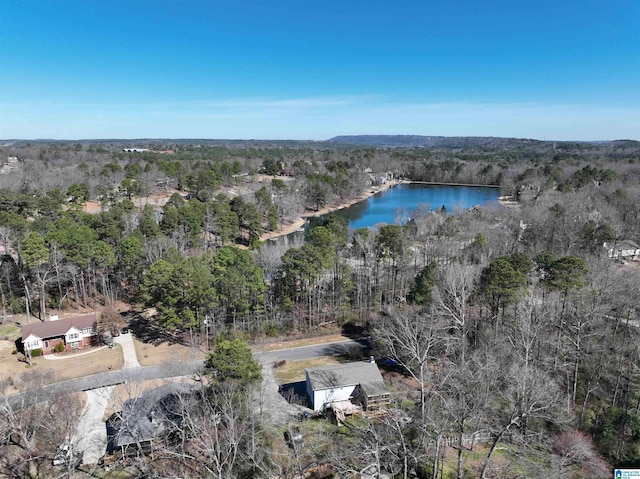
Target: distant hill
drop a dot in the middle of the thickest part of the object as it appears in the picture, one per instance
(418, 141)
(625, 144)
(346, 142)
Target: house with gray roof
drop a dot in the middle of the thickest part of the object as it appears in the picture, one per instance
(151, 418)
(75, 332)
(358, 382)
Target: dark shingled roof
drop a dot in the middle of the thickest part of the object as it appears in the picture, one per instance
(137, 421)
(362, 373)
(155, 413)
(52, 329)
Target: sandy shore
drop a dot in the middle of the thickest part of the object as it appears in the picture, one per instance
(284, 229)
(293, 225)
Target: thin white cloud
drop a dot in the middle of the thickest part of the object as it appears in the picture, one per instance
(318, 117)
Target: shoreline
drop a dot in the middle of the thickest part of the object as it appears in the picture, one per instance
(371, 191)
(474, 185)
(292, 225)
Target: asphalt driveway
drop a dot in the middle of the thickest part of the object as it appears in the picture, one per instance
(128, 350)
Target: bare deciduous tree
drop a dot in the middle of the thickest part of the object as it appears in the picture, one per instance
(411, 340)
(452, 297)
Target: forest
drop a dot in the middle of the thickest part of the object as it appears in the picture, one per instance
(512, 322)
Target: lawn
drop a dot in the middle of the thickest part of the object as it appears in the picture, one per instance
(153, 354)
(9, 330)
(293, 371)
(44, 371)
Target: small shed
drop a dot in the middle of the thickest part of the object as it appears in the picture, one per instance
(359, 382)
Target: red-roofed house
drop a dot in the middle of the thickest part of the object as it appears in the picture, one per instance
(76, 332)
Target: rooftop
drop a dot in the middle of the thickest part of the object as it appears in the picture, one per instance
(363, 373)
(51, 329)
(142, 419)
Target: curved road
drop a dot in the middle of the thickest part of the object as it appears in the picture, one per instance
(111, 378)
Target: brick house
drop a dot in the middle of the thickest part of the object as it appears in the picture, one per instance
(75, 332)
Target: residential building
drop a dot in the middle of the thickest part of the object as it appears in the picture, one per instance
(75, 332)
(358, 382)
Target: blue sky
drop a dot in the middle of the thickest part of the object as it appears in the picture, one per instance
(562, 70)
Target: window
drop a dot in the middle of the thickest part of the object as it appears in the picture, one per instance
(87, 331)
(75, 345)
(73, 336)
(32, 344)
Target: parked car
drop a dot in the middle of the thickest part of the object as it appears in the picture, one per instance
(125, 330)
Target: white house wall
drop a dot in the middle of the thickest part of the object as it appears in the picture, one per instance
(28, 343)
(73, 331)
(325, 396)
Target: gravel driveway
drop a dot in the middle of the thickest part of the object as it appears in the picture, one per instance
(276, 409)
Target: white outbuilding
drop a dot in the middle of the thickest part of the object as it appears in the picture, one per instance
(359, 382)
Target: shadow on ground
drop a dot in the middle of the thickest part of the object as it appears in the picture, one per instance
(148, 330)
(295, 393)
(353, 352)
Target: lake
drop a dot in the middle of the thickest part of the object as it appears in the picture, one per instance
(398, 204)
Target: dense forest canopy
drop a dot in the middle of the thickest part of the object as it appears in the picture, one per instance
(512, 320)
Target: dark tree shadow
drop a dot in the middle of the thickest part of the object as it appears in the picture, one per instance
(295, 393)
(352, 352)
(354, 331)
(149, 330)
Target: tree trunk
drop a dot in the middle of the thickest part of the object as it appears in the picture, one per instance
(4, 303)
(436, 457)
(83, 286)
(487, 461)
(43, 313)
(459, 459)
(26, 299)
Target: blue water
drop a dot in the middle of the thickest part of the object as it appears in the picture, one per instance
(398, 204)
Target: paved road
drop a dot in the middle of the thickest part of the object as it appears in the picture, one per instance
(111, 378)
(314, 351)
(20, 401)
